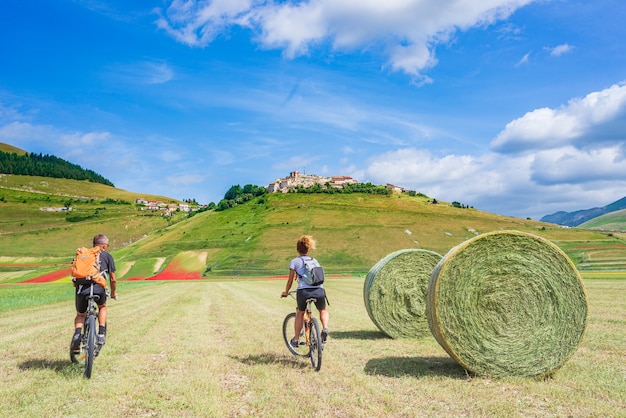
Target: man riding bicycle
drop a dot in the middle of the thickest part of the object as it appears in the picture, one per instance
(107, 267)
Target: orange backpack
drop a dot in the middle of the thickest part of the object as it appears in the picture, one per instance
(86, 266)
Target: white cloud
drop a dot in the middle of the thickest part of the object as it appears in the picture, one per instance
(599, 117)
(185, 179)
(407, 31)
(573, 166)
(559, 50)
(197, 23)
(519, 185)
(523, 60)
(142, 72)
(80, 140)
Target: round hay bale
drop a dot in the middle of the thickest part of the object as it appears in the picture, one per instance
(395, 292)
(507, 303)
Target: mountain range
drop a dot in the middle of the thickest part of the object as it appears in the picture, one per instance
(579, 217)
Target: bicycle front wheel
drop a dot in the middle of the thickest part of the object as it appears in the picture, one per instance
(90, 332)
(316, 345)
(289, 325)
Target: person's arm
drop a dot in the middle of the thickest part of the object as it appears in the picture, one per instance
(113, 285)
(292, 275)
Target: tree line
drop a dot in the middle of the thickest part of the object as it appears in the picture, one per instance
(32, 164)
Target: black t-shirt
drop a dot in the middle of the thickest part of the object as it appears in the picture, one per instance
(107, 264)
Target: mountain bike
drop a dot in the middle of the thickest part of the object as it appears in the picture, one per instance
(309, 340)
(88, 349)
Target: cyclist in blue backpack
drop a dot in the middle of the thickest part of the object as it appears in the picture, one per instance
(306, 291)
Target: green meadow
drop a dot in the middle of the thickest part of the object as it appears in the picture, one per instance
(215, 349)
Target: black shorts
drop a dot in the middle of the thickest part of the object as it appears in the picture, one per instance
(82, 293)
(313, 292)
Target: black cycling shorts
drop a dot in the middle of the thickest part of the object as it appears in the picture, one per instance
(82, 293)
(313, 292)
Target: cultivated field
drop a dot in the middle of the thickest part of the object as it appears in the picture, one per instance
(214, 348)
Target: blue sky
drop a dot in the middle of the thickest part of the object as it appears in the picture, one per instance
(515, 107)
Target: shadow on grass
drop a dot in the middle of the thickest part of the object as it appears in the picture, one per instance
(415, 367)
(358, 335)
(272, 358)
(63, 367)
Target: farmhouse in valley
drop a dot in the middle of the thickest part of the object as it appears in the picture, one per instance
(295, 179)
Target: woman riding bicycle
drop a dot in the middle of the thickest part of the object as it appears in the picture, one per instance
(306, 291)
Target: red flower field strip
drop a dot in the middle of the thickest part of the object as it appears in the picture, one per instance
(50, 277)
(173, 274)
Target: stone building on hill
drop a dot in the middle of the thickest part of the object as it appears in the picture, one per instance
(295, 179)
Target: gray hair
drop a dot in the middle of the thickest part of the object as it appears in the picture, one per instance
(100, 239)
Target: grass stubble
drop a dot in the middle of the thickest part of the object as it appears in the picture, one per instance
(215, 349)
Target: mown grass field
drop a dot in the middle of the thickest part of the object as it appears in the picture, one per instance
(214, 348)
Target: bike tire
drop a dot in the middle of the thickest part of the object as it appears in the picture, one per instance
(90, 331)
(288, 328)
(316, 345)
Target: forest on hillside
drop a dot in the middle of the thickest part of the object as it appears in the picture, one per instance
(42, 165)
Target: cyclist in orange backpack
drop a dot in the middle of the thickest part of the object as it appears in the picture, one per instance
(107, 267)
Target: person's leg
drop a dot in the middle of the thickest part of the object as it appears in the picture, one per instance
(102, 322)
(320, 295)
(102, 313)
(79, 320)
(324, 317)
(298, 325)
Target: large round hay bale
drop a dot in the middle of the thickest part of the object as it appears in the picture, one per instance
(507, 303)
(395, 292)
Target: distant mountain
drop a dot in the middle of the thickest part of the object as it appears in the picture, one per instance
(581, 216)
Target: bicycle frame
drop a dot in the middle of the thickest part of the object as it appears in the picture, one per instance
(310, 331)
(88, 347)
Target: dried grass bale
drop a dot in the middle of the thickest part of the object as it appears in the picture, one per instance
(395, 292)
(507, 303)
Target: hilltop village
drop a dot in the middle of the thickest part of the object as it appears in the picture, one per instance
(296, 179)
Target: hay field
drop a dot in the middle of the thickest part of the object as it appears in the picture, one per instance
(214, 348)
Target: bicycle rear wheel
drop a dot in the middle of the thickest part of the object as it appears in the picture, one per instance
(90, 332)
(288, 330)
(316, 345)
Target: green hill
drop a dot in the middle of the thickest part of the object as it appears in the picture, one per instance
(18, 162)
(11, 149)
(353, 231)
(34, 222)
(614, 221)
